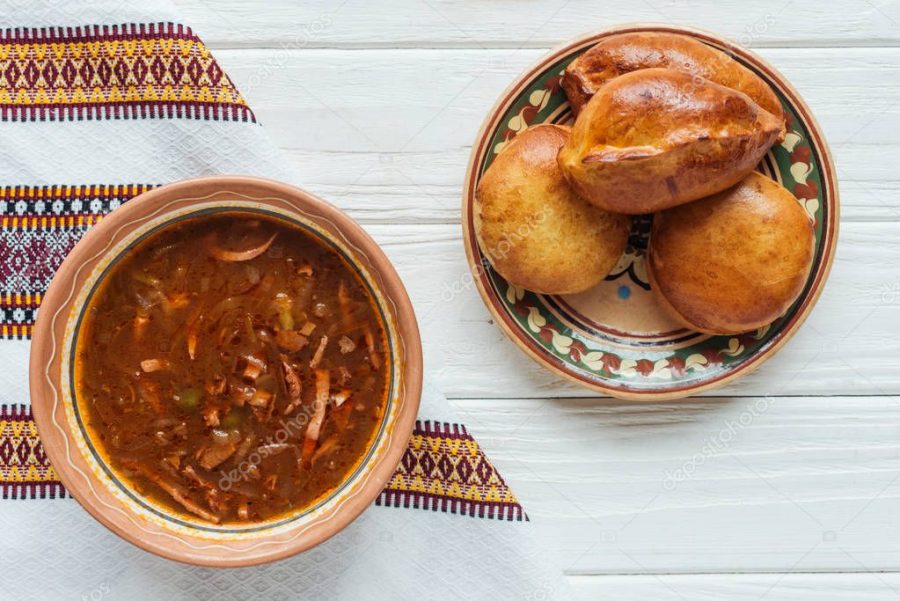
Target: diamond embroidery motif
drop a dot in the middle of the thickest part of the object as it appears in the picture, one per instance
(48, 74)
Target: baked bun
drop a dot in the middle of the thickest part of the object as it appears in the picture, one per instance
(534, 229)
(626, 52)
(656, 138)
(732, 262)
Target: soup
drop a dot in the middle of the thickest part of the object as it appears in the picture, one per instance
(232, 367)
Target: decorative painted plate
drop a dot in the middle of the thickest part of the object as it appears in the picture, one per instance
(614, 338)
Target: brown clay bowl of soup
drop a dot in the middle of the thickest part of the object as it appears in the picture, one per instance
(226, 371)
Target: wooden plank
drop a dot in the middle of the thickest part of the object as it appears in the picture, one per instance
(520, 23)
(847, 346)
(387, 133)
(426, 187)
(804, 484)
(739, 587)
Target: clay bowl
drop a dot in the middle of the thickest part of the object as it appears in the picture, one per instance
(98, 488)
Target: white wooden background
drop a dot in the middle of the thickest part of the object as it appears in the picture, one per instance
(791, 478)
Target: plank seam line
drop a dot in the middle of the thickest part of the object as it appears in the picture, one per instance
(733, 573)
(283, 45)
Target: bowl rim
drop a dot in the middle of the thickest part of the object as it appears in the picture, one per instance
(58, 310)
(470, 183)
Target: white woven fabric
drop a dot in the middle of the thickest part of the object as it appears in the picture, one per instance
(52, 549)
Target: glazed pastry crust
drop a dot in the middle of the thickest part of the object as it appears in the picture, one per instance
(732, 262)
(626, 52)
(656, 138)
(536, 232)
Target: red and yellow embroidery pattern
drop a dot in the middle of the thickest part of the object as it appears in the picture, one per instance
(16, 305)
(443, 469)
(25, 471)
(38, 227)
(130, 71)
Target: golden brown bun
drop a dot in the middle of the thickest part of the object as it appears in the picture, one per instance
(534, 229)
(626, 52)
(732, 262)
(656, 138)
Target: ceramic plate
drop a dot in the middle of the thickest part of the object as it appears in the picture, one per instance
(614, 338)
